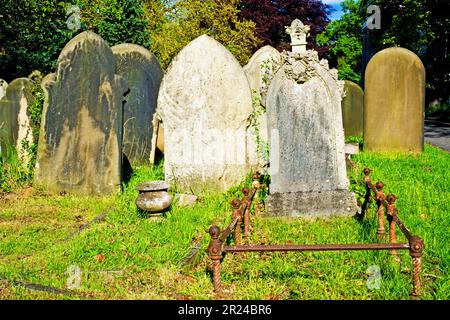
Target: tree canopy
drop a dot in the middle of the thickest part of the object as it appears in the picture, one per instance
(422, 26)
(343, 37)
(271, 17)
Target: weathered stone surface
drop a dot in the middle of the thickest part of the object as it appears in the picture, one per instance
(312, 204)
(153, 186)
(185, 200)
(81, 131)
(353, 109)
(394, 101)
(143, 74)
(307, 159)
(258, 67)
(15, 123)
(351, 148)
(154, 201)
(258, 71)
(204, 103)
(3, 86)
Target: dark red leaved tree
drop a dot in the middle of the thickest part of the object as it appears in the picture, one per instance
(271, 17)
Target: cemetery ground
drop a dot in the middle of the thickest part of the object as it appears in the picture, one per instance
(131, 256)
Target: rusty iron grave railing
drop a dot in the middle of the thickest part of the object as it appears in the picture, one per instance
(386, 207)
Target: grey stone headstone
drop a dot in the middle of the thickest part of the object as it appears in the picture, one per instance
(204, 103)
(353, 109)
(15, 123)
(307, 156)
(143, 74)
(80, 149)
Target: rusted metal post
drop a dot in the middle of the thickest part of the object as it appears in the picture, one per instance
(390, 212)
(256, 187)
(380, 197)
(215, 253)
(367, 181)
(416, 251)
(236, 203)
(248, 202)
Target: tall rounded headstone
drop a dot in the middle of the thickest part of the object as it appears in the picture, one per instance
(204, 103)
(353, 109)
(394, 102)
(80, 143)
(15, 122)
(143, 74)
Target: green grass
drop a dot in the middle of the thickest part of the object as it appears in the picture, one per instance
(145, 253)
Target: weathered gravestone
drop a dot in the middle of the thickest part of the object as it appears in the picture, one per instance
(15, 122)
(307, 157)
(394, 101)
(143, 74)
(204, 103)
(353, 109)
(3, 86)
(81, 131)
(260, 64)
(258, 70)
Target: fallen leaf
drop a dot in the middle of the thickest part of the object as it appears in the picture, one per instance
(99, 257)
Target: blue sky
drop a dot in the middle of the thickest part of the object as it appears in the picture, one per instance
(336, 4)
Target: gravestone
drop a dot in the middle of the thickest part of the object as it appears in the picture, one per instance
(394, 102)
(143, 74)
(259, 70)
(307, 156)
(81, 130)
(3, 86)
(15, 122)
(204, 103)
(353, 109)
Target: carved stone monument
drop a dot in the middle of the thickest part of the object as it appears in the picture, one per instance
(307, 157)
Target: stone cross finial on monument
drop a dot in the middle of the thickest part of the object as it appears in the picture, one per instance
(298, 32)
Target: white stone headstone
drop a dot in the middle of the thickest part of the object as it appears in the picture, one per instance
(204, 103)
(15, 122)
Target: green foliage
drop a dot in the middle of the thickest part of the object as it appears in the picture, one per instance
(262, 146)
(439, 110)
(116, 21)
(344, 37)
(355, 139)
(32, 36)
(185, 20)
(13, 174)
(422, 27)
